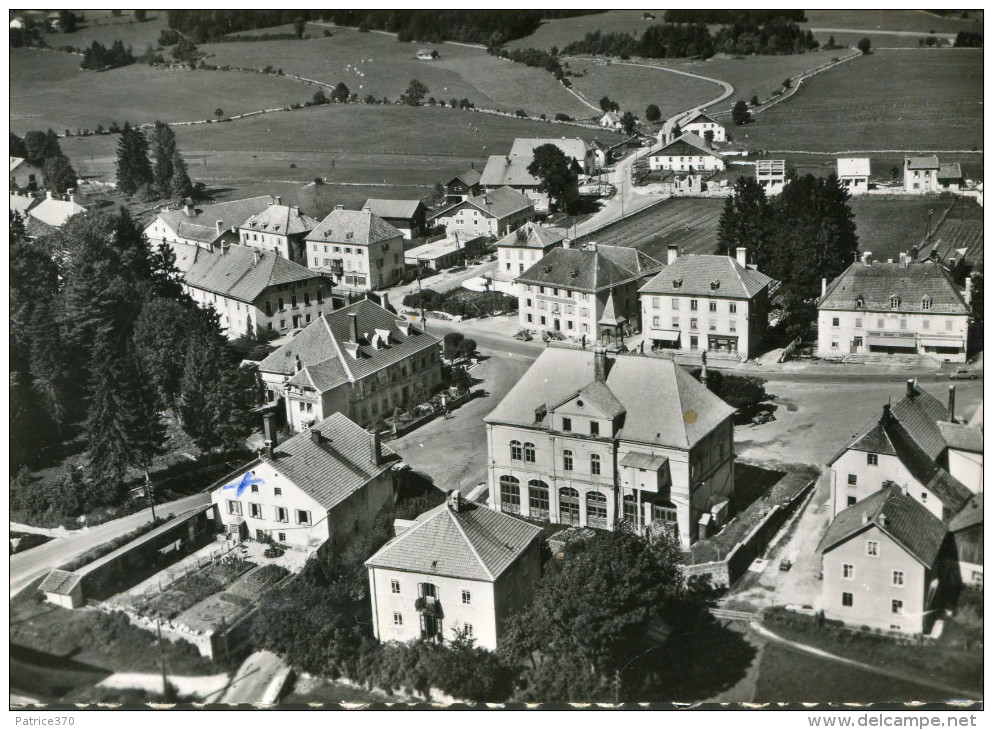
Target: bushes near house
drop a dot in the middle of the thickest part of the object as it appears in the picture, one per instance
(461, 302)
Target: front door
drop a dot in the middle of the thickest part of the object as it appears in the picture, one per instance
(296, 320)
(856, 345)
(558, 325)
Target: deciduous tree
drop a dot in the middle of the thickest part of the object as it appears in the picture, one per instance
(557, 175)
(740, 114)
(653, 113)
(415, 93)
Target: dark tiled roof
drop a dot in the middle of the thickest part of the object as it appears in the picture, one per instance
(871, 439)
(698, 272)
(507, 170)
(475, 543)
(599, 396)
(687, 144)
(590, 271)
(664, 419)
(351, 227)
(334, 469)
(897, 514)
(532, 235)
(700, 117)
(498, 204)
(282, 220)
(949, 171)
(961, 436)
(393, 208)
(573, 147)
(200, 224)
(875, 283)
(970, 515)
(469, 177)
(243, 273)
(919, 413)
(922, 163)
(60, 581)
(641, 460)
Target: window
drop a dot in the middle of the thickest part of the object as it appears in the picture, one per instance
(466, 596)
(303, 517)
(510, 494)
(713, 325)
(529, 454)
(595, 464)
(538, 501)
(234, 507)
(872, 548)
(858, 323)
(594, 428)
(567, 460)
(896, 606)
(255, 510)
(675, 323)
(278, 491)
(655, 302)
(693, 305)
(872, 459)
(631, 509)
(675, 305)
(923, 497)
(859, 303)
(566, 424)
(733, 307)
(281, 536)
(903, 324)
(693, 324)
(397, 618)
(926, 303)
(898, 577)
(847, 600)
(835, 322)
(894, 301)
(853, 480)
(282, 515)
(568, 506)
(515, 451)
(467, 629)
(655, 321)
(394, 586)
(596, 509)
(852, 500)
(848, 571)
(713, 306)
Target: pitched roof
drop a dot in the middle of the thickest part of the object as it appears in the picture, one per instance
(200, 223)
(60, 581)
(508, 170)
(929, 162)
(325, 343)
(599, 396)
(697, 273)
(20, 204)
(895, 513)
(393, 208)
(611, 117)
(610, 316)
(969, 516)
(55, 212)
(532, 235)
(701, 117)
(853, 166)
(469, 177)
(871, 439)
(875, 283)
(680, 412)
(961, 436)
(641, 460)
(353, 227)
(337, 467)
(919, 412)
(949, 171)
(573, 147)
(242, 273)
(475, 543)
(590, 270)
(686, 143)
(283, 220)
(498, 203)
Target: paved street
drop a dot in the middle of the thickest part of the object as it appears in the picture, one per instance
(258, 680)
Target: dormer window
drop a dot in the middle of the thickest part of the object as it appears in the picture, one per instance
(894, 301)
(859, 303)
(926, 302)
(677, 283)
(715, 285)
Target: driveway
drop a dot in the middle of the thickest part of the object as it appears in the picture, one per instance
(258, 680)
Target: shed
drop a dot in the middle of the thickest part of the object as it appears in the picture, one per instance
(63, 588)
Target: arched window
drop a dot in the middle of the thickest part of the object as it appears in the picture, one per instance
(567, 460)
(596, 509)
(529, 452)
(631, 510)
(859, 303)
(515, 451)
(926, 303)
(510, 494)
(538, 499)
(568, 506)
(595, 464)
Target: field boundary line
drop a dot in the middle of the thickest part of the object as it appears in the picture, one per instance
(880, 152)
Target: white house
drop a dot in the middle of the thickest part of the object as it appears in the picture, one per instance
(360, 249)
(611, 120)
(280, 229)
(24, 175)
(699, 124)
(494, 213)
(903, 308)
(321, 487)
(51, 213)
(519, 250)
(920, 175)
(207, 226)
(688, 153)
(458, 567)
(771, 176)
(853, 172)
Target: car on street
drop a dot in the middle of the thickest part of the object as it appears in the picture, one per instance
(963, 374)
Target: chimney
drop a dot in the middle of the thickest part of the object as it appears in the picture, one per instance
(951, 403)
(454, 500)
(567, 244)
(591, 246)
(269, 429)
(903, 259)
(366, 208)
(866, 257)
(673, 254)
(297, 364)
(742, 256)
(823, 287)
(385, 300)
(600, 364)
(255, 255)
(339, 207)
(48, 194)
(72, 197)
(315, 436)
(882, 520)
(865, 517)
(220, 227)
(889, 261)
(279, 200)
(910, 387)
(188, 209)
(353, 321)
(375, 447)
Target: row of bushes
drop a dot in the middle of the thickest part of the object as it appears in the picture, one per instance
(108, 547)
(461, 302)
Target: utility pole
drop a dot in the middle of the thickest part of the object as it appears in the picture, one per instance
(420, 296)
(165, 679)
(149, 494)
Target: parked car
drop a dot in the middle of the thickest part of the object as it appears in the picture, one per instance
(523, 336)
(963, 374)
(762, 417)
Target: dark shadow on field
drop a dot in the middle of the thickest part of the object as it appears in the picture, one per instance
(43, 675)
(751, 483)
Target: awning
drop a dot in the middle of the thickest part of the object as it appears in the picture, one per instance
(641, 460)
(941, 342)
(904, 342)
(665, 335)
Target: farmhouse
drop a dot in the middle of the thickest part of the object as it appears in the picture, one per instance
(458, 567)
(853, 173)
(688, 153)
(703, 302)
(611, 120)
(512, 170)
(407, 216)
(521, 249)
(444, 253)
(363, 251)
(463, 186)
(362, 361)
(589, 293)
(21, 204)
(24, 175)
(950, 177)
(920, 175)
(494, 213)
(966, 532)
(577, 442)
(319, 488)
(700, 123)
(280, 229)
(771, 176)
(206, 226)
(901, 308)
(574, 147)
(880, 563)
(254, 292)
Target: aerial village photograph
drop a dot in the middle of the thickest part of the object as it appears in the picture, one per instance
(491, 358)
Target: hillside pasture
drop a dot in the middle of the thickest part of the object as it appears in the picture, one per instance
(887, 227)
(890, 100)
(560, 32)
(378, 64)
(913, 21)
(102, 26)
(79, 99)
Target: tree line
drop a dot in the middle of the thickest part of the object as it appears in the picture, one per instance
(163, 175)
(726, 17)
(103, 343)
(42, 150)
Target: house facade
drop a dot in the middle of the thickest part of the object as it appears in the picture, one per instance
(361, 250)
(458, 567)
(495, 213)
(950, 178)
(519, 250)
(280, 229)
(700, 124)
(706, 303)
(25, 175)
(576, 442)
(611, 120)
(906, 308)
(462, 187)
(319, 488)
(207, 226)
(407, 216)
(920, 175)
(853, 174)
(771, 176)
(687, 153)
(880, 563)
(966, 533)
(362, 361)
(590, 292)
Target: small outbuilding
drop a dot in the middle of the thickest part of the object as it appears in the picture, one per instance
(63, 588)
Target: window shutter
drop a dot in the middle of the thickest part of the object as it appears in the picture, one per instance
(420, 591)
(424, 624)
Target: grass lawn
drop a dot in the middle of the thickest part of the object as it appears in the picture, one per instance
(918, 21)
(788, 675)
(890, 100)
(49, 90)
(887, 227)
(560, 32)
(378, 64)
(102, 26)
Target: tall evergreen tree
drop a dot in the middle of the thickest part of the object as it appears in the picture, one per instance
(59, 174)
(17, 148)
(180, 185)
(134, 170)
(50, 373)
(746, 221)
(162, 141)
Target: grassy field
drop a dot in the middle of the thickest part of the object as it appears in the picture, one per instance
(562, 31)
(48, 90)
(917, 21)
(377, 64)
(888, 227)
(102, 26)
(890, 100)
